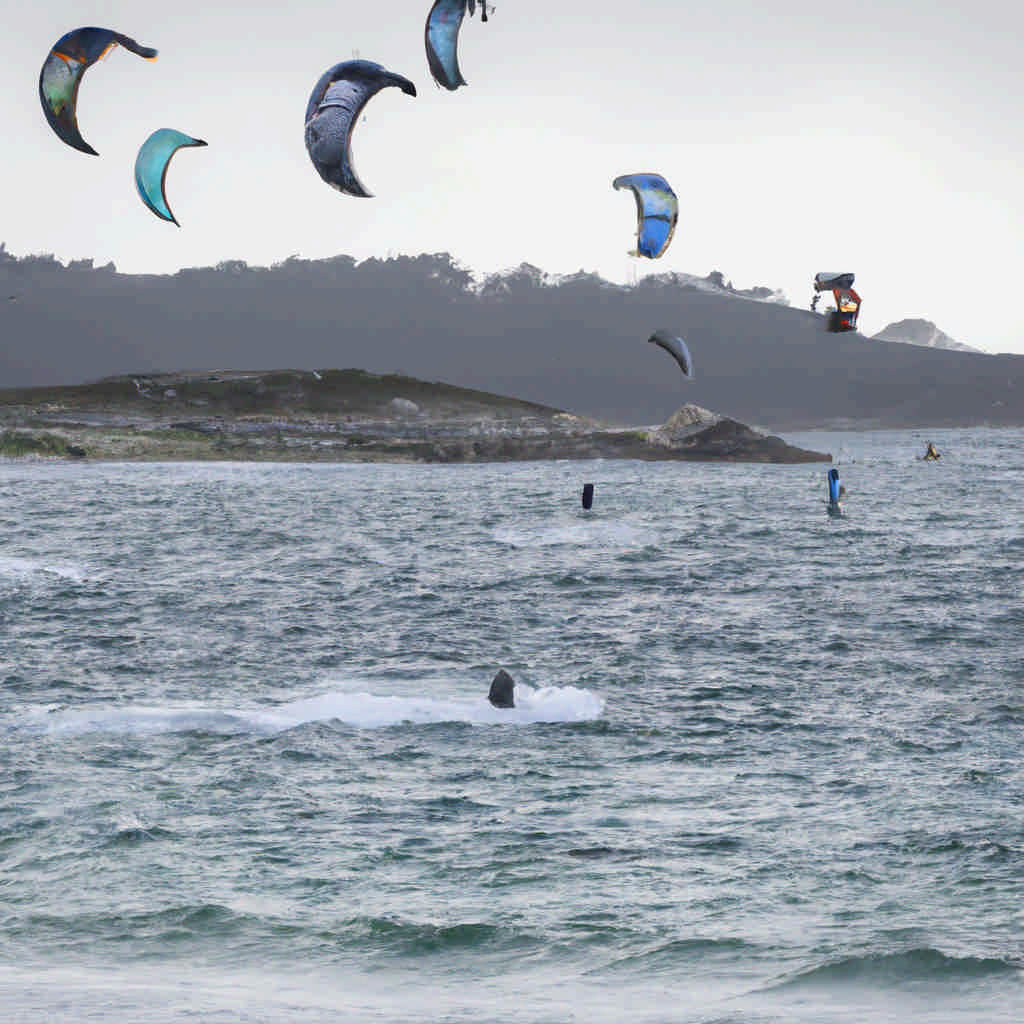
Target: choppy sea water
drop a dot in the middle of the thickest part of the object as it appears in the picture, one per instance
(766, 766)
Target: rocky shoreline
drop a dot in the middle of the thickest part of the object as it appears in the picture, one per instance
(344, 416)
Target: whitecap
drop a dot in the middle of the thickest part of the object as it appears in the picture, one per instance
(369, 711)
(29, 568)
(547, 704)
(137, 720)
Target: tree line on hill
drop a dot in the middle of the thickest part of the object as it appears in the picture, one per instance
(576, 342)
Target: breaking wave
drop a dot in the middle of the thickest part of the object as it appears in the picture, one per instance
(548, 704)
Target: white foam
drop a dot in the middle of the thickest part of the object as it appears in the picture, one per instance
(360, 710)
(29, 568)
(368, 711)
(138, 719)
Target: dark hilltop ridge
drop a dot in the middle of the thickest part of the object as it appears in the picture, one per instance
(575, 342)
(344, 416)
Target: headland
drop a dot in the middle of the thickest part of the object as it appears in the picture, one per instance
(345, 416)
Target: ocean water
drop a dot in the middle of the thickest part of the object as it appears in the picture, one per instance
(765, 766)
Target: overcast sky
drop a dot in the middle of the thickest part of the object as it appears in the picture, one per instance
(883, 137)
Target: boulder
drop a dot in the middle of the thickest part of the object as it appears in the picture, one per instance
(403, 407)
(682, 424)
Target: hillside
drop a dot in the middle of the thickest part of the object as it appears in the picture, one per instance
(578, 343)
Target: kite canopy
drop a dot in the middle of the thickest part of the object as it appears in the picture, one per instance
(657, 210)
(442, 40)
(824, 282)
(676, 347)
(844, 316)
(71, 56)
(151, 168)
(333, 109)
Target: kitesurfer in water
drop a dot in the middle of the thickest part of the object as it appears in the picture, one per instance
(501, 693)
(836, 493)
(930, 453)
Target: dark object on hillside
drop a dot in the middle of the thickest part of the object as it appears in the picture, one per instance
(588, 495)
(501, 690)
(844, 316)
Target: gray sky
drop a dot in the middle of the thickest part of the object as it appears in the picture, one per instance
(885, 138)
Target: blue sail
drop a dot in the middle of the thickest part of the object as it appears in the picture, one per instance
(657, 210)
(833, 486)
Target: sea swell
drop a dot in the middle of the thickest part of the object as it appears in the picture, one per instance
(910, 967)
(763, 768)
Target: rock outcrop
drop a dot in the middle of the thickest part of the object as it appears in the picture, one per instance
(403, 407)
(683, 424)
(696, 433)
(920, 332)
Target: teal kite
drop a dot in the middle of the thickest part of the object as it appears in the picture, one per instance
(151, 168)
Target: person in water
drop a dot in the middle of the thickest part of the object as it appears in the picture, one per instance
(931, 453)
(501, 694)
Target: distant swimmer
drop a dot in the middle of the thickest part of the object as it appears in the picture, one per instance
(931, 454)
(501, 690)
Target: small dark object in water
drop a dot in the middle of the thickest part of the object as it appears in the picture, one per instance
(588, 495)
(501, 690)
(76, 451)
